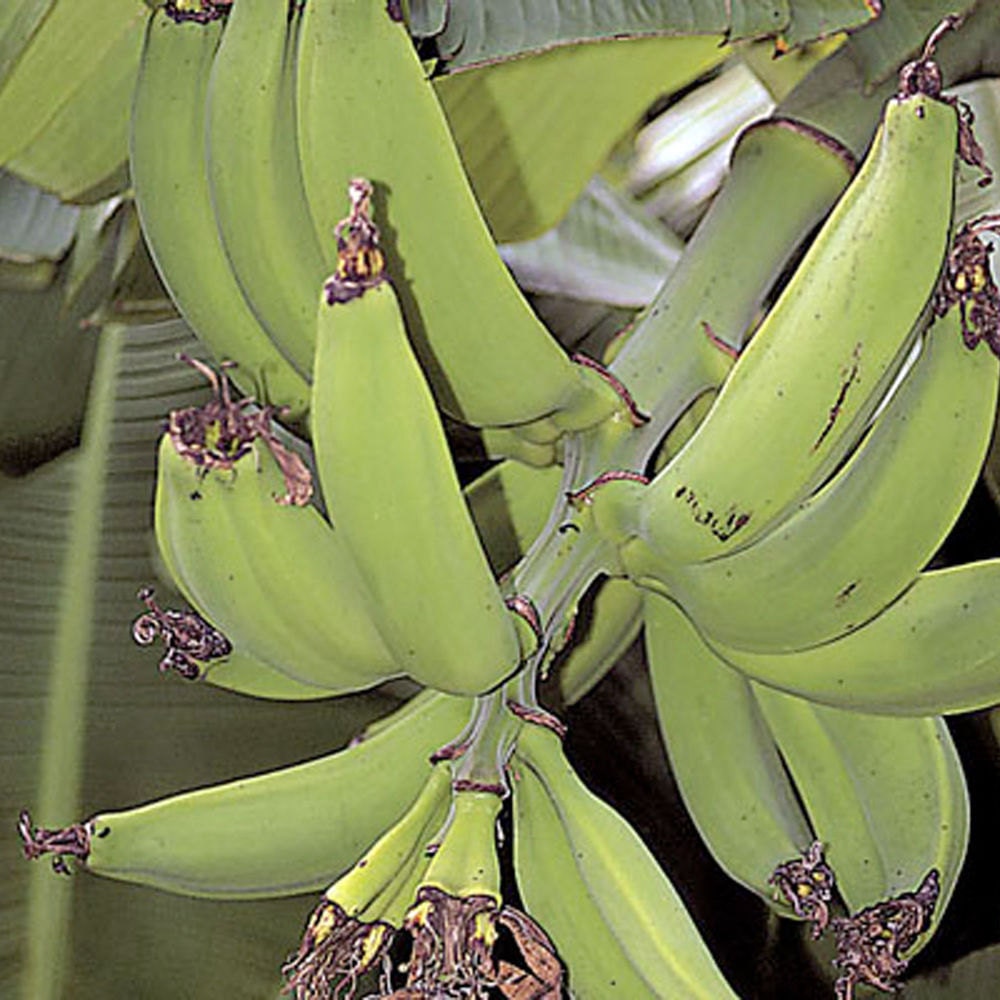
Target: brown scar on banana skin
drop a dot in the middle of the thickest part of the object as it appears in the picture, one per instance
(849, 377)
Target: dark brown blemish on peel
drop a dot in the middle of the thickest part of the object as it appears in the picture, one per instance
(845, 593)
(723, 526)
(848, 377)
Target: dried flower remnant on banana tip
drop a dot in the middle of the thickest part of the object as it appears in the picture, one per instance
(217, 435)
(870, 943)
(71, 841)
(807, 884)
(967, 281)
(189, 640)
(196, 11)
(360, 262)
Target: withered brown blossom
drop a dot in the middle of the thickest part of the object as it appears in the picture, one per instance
(218, 434)
(967, 282)
(71, 841)
(189, 640)
(870, 944)
(807, 885)
(452, 941)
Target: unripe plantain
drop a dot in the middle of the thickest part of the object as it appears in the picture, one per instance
(822, 358)
(390, 484)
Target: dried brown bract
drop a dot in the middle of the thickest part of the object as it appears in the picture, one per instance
(870, 943)
(967, 282)
(360, 262)
(189, 640)
(65, 842)
(217, 435)
(336, 950)
(807, 885)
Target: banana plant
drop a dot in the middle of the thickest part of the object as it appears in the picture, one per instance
(755, 474)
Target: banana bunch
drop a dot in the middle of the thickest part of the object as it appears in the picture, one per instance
(253, 101)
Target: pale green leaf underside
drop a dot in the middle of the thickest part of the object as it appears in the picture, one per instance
(33, 225)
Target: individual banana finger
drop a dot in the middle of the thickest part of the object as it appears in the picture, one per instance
(255, 176)
(284, 832)
(711, 726)
(168, 114)
(390, 484)
(632, 894)
(274, 578)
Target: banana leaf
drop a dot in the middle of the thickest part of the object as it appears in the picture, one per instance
(479, 31)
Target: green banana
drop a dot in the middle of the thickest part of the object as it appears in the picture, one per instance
(353, 925)
(588, 878)
(167, 154)
(255, 178)
(712, 726)
(275, 834)
(365, 106)
(19, 21)
(934, 650)
(887, 796)
(801, 393)
(856, 544)
(389, 481)
(54, 66)
(277, 580)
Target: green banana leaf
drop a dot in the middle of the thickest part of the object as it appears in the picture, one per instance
(468, 34)
(18, 21)
(33, 225)
(606, 249)
(88, 723)
(532, 132)
(973, 977)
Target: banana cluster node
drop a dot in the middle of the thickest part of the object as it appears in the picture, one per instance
(636, 417)
(189, 640)
(71, 841)
(870, 943)
(360, 263)
(220, 433)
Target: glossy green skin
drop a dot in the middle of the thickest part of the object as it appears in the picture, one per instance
(285, 832)
(393, 496)
(798, 397)
(853, 547)
(366, 108)
(167, 161)
(256, 182)
(276, 580)
(635, 900)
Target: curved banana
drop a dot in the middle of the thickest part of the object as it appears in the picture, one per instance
(354, 924)
(167, 157)
(255, 177)
(390, 485)
(284, 832)
(711, 726)
(887, 796)
(365, 107)
(934, 650)
(617, 921)
(275, 579)
(800, 394)
(861, 540)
